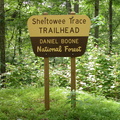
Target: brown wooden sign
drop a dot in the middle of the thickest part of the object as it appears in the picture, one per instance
(59, 35)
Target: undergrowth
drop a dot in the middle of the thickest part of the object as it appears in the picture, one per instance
(28, 104)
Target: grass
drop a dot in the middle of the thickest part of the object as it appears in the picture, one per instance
(28, 104)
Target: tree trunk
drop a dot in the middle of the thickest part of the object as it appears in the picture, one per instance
(76, 6)
(68, 6)
(2, 38)
(19, 29)
(110, 26)
(97, 27)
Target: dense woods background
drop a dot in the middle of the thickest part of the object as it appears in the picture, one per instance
(98, 70)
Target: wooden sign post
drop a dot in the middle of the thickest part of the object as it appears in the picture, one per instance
(46, 82)
(59, 36)
(73, 82)
(73, 78)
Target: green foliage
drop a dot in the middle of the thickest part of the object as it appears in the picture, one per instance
(26, 71)
(28, 104)
(98, 21)
(97, 71)
(60, 73)
(54, 7)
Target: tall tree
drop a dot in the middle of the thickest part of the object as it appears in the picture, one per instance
(20, 2)
(76, 6)
(2, 37)
(68, 6)
(110, 26)
(97, 27)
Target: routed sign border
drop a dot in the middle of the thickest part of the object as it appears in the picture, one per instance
(59, 35)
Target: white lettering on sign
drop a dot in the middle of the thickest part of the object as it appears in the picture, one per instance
(68, 49)
(48, 49)
(48, 41)
(69, 41)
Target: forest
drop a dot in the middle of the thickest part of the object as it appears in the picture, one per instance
(97, 71)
